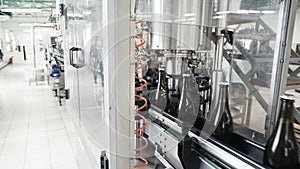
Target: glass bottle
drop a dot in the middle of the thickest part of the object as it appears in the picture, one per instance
(282, 148)
(222, 124)
(161, 98)
(189, 102)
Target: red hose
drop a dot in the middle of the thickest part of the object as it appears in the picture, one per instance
(141, 39)
(138, 131)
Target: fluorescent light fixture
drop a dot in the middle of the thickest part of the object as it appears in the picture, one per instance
(242, 11)
(21, 10)
(223, 12)
(245, 12)
(191, 19)
(219, 17)
(76, 15)
(248, 12)
(179, 20)
(189, 14)
(268, 12)
(254, 11)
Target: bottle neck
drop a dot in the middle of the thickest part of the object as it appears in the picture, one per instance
(287, 109)
(223, 97)
(222, 104)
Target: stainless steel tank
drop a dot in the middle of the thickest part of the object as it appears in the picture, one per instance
(177, 24)
(161, 27)
(192, 28)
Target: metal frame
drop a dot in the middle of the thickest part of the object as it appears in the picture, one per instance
(281, 61)
(121, 84)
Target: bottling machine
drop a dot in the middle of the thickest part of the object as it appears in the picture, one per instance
(144, 79)
(189, 47)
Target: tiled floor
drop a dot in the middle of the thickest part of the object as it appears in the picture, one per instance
(33, 134)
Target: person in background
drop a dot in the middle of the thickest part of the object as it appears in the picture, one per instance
(97, 59)
(1, 56)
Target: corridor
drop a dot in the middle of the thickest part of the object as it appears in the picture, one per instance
(35, 133)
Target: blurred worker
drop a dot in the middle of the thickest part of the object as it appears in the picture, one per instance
(1, 56)
(97, 58)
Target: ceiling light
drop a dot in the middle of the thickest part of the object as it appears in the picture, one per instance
(189, 14)
(21, 10)
(218, 17)
(268, 12)
(76, 15)
(223, 12)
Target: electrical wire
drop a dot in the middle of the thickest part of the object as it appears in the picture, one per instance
(138, 132)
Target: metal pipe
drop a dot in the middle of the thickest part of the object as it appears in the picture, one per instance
(219, 50)
(217, 74)
(221, 23)
(33, 40)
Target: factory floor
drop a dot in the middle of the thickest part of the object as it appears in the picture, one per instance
(35, 133)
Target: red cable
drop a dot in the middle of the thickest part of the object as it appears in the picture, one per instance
(143, 164)
(141, 39)
(138, 130)
(143, 65)
(143, 86)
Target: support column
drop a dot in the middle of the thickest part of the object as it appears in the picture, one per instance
(121, 79)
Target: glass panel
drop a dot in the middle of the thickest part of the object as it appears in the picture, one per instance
(254, 24)
(92, 76)
(86, 23)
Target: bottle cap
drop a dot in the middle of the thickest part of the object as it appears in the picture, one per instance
(287, 97)
(224, 83)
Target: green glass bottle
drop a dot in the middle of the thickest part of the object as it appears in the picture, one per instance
(282, 147)
(161, 99)
(188, 108)
(222, 124)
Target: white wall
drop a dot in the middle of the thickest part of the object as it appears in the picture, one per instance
(23, 37)
(20, 37)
